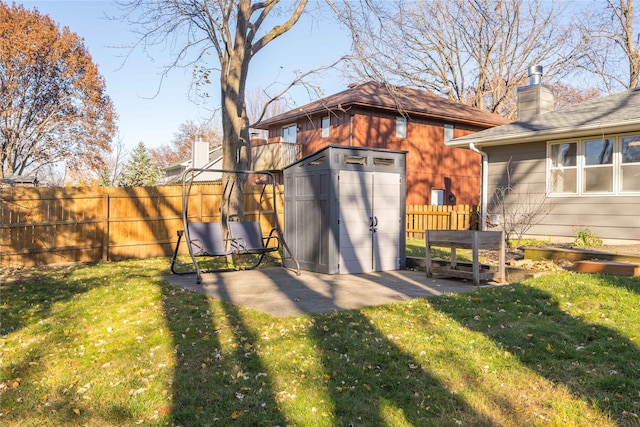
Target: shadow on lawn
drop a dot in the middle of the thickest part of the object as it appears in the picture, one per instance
(27, 300)
(211, 384)
(395, 381)
(592, 360)
(38, 300)
(369, 378)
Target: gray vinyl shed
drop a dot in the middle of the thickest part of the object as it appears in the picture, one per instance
(344, 210)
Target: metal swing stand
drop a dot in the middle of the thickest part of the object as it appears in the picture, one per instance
(208, 239)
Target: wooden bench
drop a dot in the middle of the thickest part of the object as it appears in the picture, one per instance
(474, 240)
(607, 267)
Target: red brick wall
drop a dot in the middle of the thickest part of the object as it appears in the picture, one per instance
(430, 163)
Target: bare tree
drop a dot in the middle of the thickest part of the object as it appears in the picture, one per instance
(114, 163)
(50, 175)
(611, 43)
(565, 95)
(234, 31)
(256, 101)
(516, 209)
(476, 52)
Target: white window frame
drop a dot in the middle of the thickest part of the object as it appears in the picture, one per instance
(551, 168)
(616, 165)
(437, 197)
(636, 141)
(326, 126)
(594, 167)
(401, 127)
(285, 132)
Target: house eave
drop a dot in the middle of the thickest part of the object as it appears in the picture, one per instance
(568, 132)
(442, 117)
(300, 113)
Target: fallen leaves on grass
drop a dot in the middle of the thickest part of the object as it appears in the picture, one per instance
(284, 395)
(10, 384)
(137, 391)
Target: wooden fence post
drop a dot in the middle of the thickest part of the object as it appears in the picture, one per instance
(105, 227)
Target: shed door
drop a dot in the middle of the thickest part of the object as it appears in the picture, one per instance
(369, 204)
(387, 221)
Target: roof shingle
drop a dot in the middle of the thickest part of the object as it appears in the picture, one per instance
(606, 114)
(393, 98)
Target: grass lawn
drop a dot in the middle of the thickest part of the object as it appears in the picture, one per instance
(113, 344)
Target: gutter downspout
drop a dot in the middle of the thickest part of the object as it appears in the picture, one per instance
(350, 130)
(484, 185)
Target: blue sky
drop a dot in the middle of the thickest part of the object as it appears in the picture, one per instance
(132, 86)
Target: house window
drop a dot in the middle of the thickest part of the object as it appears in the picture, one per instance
(630, 159)
(401, 127)
(437, 197)
(595, 166)
(326, 124)
(448, 133)
(564, 168)
(289, 133)
(598, 166)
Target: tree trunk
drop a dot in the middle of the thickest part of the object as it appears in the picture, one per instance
(634, 49)
(235, 142)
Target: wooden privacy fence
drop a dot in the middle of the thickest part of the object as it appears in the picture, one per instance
(40, 226)
(424, 217)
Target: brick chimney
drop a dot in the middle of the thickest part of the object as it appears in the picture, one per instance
(534, 98)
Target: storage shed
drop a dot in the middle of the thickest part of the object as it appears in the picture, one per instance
(345, 210)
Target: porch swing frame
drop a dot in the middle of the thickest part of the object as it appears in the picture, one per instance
(208, 239)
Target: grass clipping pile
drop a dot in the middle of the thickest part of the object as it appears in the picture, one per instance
(541, 265)
(514, 257)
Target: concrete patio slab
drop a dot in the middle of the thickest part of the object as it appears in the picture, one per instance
(280, 292)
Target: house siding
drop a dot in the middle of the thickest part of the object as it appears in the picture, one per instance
(430, 163)
(609, 217)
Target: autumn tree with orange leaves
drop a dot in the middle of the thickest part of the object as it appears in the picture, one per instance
(53, 107)
(180, 147)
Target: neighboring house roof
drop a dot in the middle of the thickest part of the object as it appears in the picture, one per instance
(611, 114)
(20, 180)
(392, 98)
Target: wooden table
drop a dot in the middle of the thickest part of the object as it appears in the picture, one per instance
(464, 239)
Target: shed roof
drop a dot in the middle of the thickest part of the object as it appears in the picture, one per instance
(391, 98)
(611, 114)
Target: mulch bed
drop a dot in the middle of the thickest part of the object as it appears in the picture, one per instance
(515, 256)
